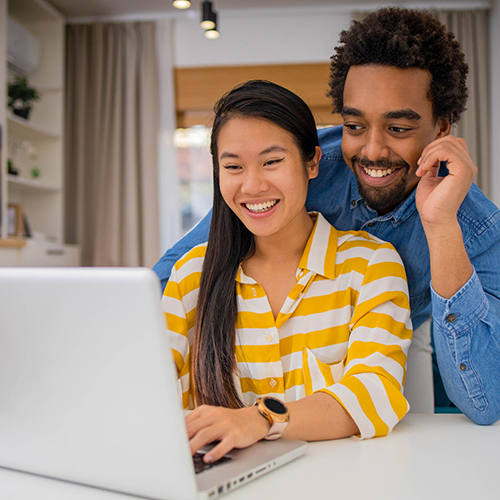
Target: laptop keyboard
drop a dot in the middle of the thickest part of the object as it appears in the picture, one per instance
(200, 465)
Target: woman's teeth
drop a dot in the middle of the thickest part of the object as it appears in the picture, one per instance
(261, 207)
(372, 172)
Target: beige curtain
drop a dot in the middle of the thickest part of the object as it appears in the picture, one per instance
(471, 30)
(111, 185)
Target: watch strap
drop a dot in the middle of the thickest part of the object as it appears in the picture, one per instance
(276, 430)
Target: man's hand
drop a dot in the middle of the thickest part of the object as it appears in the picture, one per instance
(439, 198)
(233, 428)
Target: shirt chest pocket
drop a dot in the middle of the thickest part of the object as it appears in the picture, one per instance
(319, 375)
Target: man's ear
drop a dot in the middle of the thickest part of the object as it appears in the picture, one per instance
(443, 127)
(313, 165)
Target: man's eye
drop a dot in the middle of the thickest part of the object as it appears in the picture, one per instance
(272, 162)
(399, 130)
(352, 127)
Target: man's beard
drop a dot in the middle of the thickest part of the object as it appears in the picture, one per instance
(381, 198)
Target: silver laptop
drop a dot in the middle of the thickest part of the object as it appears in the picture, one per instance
(88, 388)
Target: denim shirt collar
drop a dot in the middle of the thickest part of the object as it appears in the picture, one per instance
(404, 210)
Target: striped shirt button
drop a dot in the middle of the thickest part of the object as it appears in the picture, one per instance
(273, 383)
(269, 338)
(254, 292)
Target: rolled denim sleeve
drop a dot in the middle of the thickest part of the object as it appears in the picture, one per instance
(467, 342)
(197, 235)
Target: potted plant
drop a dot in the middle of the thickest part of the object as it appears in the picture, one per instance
(21, 97)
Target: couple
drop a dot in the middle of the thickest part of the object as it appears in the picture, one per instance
(322, 314)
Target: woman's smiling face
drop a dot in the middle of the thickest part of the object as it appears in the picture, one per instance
(262, 176)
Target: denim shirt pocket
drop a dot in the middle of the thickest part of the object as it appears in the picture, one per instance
(319, 375)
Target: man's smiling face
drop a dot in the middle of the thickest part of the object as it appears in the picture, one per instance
(388, 121)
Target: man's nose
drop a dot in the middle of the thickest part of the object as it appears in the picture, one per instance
(254, 182)
(375, 146)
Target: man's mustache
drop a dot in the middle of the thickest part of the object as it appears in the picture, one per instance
(383, 163)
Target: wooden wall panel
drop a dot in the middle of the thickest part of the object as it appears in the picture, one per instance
(197, 89)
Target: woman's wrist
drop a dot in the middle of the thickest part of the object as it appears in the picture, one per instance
(262, 425)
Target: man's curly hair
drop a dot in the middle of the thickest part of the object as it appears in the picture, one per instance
(404, 38)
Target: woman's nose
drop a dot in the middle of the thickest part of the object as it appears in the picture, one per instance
(254, 182)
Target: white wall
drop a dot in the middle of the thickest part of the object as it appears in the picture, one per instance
(495, 102)
(274, 37)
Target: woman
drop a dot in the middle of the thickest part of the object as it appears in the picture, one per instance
(278, 302)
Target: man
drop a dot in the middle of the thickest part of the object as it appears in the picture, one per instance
(398, 79)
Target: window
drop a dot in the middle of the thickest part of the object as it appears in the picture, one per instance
(194, 167)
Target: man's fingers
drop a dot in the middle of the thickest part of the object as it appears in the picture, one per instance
(428, 168)
(453, 155)
(448, 148)
(463, 143)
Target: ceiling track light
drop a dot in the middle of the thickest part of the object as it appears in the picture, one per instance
(209, 20)
(212, 34)
(208, 16)
(181, 4)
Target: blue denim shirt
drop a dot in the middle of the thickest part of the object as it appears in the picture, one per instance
(466, 326)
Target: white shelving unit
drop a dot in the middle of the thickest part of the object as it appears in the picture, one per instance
(35, 143)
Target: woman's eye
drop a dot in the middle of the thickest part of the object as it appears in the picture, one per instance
(231, 167)
(272, 162)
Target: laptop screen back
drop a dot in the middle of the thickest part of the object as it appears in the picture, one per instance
(87, 383)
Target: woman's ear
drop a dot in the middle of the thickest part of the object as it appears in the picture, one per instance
(313, 165)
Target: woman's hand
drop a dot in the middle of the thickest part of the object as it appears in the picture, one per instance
(233, 428)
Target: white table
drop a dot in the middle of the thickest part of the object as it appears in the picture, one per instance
(426, 457)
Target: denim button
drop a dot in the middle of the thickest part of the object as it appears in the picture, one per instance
(451, 318)
(353, 203)
(371, 224)
(463, 367)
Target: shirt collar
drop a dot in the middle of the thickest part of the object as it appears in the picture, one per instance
(241, 277)
(355, 196)
(319, 253)
(321, 248)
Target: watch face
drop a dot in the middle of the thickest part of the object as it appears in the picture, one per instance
(275, 406)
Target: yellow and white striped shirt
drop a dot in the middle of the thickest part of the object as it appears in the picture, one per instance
(344, 328)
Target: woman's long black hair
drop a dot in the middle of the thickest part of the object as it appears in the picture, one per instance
(230, 242)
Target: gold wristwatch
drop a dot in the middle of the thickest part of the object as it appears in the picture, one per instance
(276, 412)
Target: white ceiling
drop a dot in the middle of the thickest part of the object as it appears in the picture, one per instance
(86, 8)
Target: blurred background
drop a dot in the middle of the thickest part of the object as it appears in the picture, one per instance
(106, 117)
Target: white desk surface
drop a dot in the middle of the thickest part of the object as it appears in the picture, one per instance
(426, 457)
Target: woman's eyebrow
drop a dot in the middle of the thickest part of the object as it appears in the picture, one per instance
(273, 148)
(270, 149)
(226, 154)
